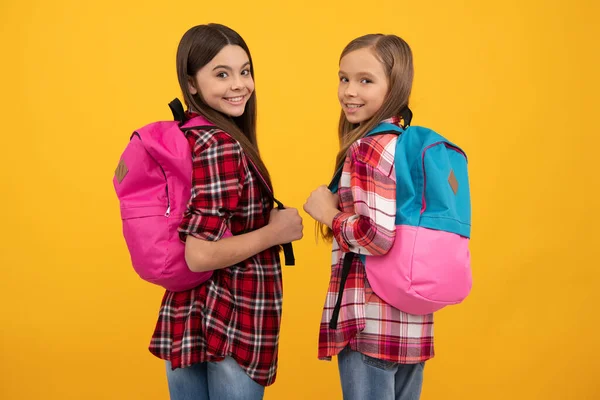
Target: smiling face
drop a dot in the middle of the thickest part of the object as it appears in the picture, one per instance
(225, 83)
(363, 85)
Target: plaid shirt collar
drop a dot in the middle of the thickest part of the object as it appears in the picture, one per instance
(396, 120)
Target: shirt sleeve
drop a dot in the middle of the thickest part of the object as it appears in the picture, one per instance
(218, 176)
(368, 198)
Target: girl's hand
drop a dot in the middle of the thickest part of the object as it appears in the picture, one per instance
(322, 205)
(286, 225)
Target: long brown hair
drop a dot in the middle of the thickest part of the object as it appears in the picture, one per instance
(198, 46)
(396, 57)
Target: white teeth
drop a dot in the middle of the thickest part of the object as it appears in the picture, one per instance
(354, 105)
(234, 99)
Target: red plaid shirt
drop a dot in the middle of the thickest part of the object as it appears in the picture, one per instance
(366, 225)
(237, 312)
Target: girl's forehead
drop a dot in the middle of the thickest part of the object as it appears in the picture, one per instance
(361, 60)
(230, 55)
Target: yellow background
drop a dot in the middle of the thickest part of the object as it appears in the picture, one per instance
(513, 82)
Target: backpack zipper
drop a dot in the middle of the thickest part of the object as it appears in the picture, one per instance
(449, 146)
(168, 212)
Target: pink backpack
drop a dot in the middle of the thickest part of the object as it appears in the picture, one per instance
(153, 182)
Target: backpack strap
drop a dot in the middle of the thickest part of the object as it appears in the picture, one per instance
(288, 250)
(178, 111)
(348, 258)
(179, 116)
(380, 129)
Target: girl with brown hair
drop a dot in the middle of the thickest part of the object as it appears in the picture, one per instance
(220, 340)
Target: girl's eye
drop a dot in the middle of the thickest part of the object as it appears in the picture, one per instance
(246, 72)
(342, 79)
(366, 81)
(222, 75)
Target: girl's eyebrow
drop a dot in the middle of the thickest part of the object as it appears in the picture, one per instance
(228, 68)
(358, 73)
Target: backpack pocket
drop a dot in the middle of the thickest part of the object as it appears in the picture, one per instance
(146, 233)
(446, 201)
(424, 271)
(441, 266)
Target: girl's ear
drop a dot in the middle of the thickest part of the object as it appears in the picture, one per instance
(192, 86)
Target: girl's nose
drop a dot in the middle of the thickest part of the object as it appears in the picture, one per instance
(350, 90)
(236, 84)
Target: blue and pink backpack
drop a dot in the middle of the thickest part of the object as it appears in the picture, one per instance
(153, 182)
(429, 265)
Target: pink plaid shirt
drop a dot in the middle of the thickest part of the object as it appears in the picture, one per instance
(366, 226)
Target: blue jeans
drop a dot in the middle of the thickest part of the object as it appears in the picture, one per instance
(223, 380)
(368, 378)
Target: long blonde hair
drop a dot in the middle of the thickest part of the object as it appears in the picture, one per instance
(396, 57)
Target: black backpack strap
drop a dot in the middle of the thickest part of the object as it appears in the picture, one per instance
(288, 249)
(178, 111)
(338, 304)
(406, 115)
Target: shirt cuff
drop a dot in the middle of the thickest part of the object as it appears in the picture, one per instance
(205, 227)
(338, 229)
